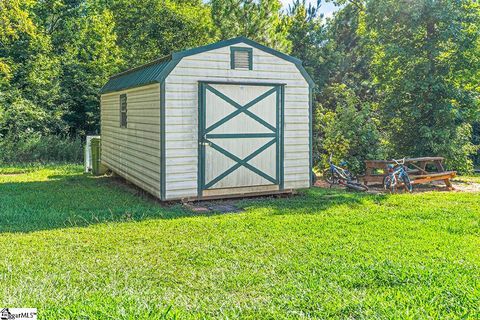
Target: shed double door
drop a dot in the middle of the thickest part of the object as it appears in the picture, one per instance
(240, 138)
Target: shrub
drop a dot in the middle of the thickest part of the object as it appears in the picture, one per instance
(345, 127)
(35, 147)
(19, 116)
(458, 154)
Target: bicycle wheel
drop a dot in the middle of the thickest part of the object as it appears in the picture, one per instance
(356, 186)
(407, 183)
(389, 183)
(350, 176)
(328, 176)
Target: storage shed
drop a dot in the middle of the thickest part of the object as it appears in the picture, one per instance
(226, 119)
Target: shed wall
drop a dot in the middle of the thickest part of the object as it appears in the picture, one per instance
(133, 152)
(181, 102)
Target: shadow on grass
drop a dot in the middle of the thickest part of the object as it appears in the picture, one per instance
(312, 201)
(76, 200)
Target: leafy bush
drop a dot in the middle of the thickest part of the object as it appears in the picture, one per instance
(476, 142)
(29, 133)
(345, 127)
(458, 154)
(33, 147)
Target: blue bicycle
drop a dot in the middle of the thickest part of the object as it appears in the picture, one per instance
(338, 175)
(396, 173)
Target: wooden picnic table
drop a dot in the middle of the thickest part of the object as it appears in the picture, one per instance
(417, 170)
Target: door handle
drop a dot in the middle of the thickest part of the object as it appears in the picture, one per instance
(205, 143)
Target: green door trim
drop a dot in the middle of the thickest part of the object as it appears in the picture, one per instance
(204, 137)
(239, 135)
(280, 127)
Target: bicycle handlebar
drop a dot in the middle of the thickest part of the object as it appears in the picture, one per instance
(398, 161)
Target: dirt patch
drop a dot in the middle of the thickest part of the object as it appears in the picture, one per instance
(465, 186)
(213, 207)
(458, 186)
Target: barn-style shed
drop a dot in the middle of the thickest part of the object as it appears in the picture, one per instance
(230, 118)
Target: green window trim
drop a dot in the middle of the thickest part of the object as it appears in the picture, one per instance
(123, 110)
(234, 50)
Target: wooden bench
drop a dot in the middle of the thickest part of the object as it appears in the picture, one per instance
(417, 171)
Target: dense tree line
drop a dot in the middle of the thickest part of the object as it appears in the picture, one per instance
(393, 77)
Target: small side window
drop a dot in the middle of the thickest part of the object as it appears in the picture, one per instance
(241, 58)
(123, 111)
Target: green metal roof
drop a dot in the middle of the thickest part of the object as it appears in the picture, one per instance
(158, 70)
(139, 76)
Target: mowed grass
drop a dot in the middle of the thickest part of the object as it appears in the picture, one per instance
(79, 247)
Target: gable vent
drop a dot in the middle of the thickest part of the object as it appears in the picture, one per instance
(241, 58)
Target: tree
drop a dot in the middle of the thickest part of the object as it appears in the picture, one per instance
(14, 21)
(55, 16)
(346, 121)
(149, 29)
(258, 20)
(420, 49)
(90, 57)
(344, 127)
(30, 71)
(347, 57)
(84, 42)
(307, 34)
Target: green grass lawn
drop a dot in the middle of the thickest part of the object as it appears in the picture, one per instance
(80, 247)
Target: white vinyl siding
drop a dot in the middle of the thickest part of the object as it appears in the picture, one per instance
(133, 152)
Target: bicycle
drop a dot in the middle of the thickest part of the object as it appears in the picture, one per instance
(338, 175)
(399, 170)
